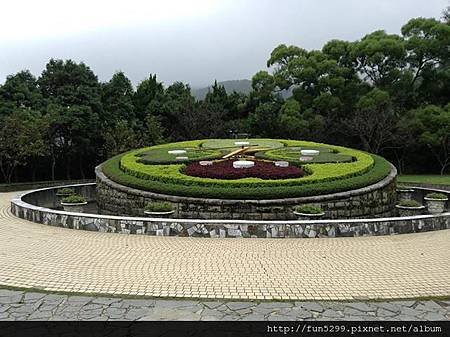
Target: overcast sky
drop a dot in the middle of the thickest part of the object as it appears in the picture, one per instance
(195, 41)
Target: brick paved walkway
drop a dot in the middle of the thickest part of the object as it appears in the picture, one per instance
(58, 259)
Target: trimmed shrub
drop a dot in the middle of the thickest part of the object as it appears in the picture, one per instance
(158, 206)
(409, 203)
(435, 195)
(308, 209)
(74, 199)
(65, 191)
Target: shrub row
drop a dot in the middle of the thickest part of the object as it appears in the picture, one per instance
(173, 174)
(379, 170)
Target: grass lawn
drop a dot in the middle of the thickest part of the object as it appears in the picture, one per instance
(293, 154)
(425, 179)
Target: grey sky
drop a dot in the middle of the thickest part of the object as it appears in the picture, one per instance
(193, 41)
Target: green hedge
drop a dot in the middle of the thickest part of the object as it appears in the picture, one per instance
(317, 172)
(379, 170)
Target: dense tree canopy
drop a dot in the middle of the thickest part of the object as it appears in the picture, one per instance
(385, 93)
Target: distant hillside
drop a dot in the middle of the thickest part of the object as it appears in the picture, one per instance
(243, 86)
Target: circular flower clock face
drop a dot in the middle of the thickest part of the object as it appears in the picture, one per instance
(247, 168)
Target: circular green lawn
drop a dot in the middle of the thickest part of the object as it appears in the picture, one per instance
(335, 169)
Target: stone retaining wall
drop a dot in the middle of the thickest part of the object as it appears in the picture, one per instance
(222, 228)
(376, 200)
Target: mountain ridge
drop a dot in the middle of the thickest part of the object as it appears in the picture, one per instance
(243, 86)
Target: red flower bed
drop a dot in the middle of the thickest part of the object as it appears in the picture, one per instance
(225, 170)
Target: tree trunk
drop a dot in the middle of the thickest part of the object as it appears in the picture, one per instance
(68, 163)
(33, 172)
(9, 174)
(443, 167)
(80, 165)
(53, 166)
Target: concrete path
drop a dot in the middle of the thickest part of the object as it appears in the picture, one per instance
(57, 259)
(18, 305)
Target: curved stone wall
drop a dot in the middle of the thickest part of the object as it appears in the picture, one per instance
(21, 207)
(376, 200)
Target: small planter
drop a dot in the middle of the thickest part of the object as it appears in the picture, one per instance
(74, 207)
(61, 195)
(409, 211)
(435, 206)
(152, 214)
(159, 209)
(404, 193)
(59, 198)
(309, 216)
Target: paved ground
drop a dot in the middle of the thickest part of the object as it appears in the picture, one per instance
(58, 259)
(17, 305)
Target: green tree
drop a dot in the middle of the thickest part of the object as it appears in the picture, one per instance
(296, 123)
(76, 114)
(280, 59)
(374, 120)
(236, 106)
(175, 108)
(73, 135)
(146, 92)
(20, 91)
(263, 85)
(380, 58)
(153, 131)
(263, 121)
(21, 139)
(69, 83)
(217, 96)
(432, 126)
(427, 42)
(446, 15)
(119, 138)
(117, 99)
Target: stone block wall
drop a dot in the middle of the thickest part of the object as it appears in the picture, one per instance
(230, 228)
(376, 200)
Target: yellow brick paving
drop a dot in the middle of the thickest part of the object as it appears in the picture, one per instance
(57, 259)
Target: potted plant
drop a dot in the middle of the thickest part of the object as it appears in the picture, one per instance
(64, 192)
(404, 192)
(159, 209)
(74, 203)
(409, 208)
(435, 202)
(308, 212)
